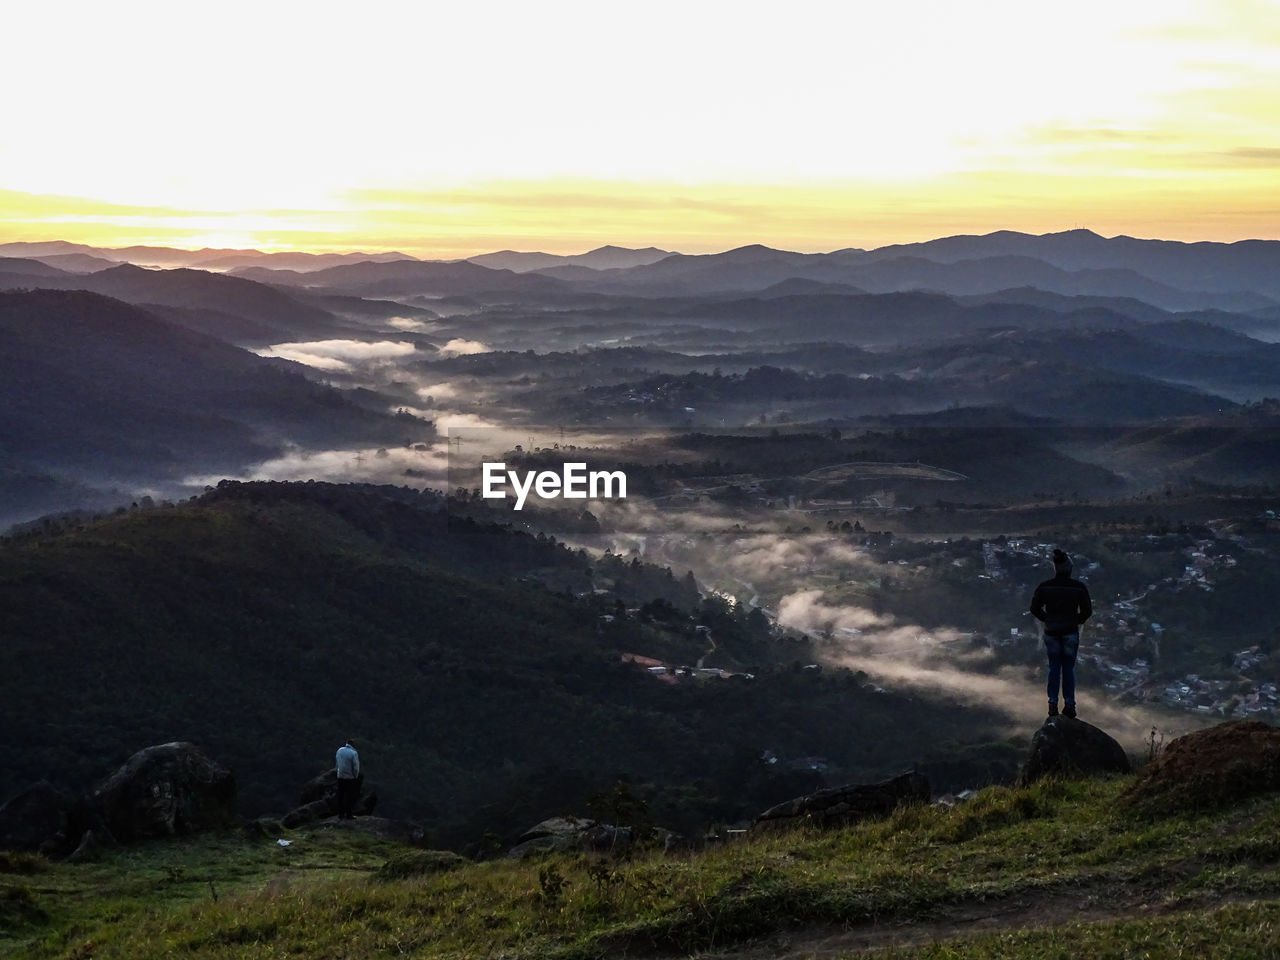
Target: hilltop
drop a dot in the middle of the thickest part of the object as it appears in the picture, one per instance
(1013, 873)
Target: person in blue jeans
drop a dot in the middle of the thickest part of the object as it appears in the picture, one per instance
(347, 765)
(1062, 604)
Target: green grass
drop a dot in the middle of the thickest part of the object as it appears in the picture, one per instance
(1032, 854)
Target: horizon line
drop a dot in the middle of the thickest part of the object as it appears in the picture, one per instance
(268, 249)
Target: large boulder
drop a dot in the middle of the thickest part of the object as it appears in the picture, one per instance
(171, 788)
(308, 813)
(580, 834)
(1068, 747)
(837, 806)
(1209, 769)
(569, 833)
(322, 786)
(38, 818)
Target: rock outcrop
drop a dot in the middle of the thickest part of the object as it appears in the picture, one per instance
(1065, 746)
(570, 833)
(582, 834)
(172, 788)
(1209, 768)
(837, 806)
(318, 800)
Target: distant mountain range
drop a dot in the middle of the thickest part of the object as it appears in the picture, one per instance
(1239, 277)
(1173, 276)
(409, 278)
(1220, 267)
(229, 308)
(84, 258)
(1072, 326)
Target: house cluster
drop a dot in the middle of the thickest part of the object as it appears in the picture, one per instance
(803, 764)
(1221, 698)
(668, 674)
(1122, 642)
(1201, 563)
(1120, 678)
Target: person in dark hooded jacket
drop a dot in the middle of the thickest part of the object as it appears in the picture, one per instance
(1062, 604)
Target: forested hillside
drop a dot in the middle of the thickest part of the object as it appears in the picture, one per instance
(479, 667)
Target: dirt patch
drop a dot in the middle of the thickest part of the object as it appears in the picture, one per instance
(1209, 769)
(1032, 911)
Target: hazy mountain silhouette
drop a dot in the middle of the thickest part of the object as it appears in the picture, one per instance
(607, 257)
(45, 248)
(750, 268)
(989, 274)
(97, 390)
(407, 278)
(885, 319)
(27, 267)
(206, 258)
(292, 260)
(1246, 265)
(1069, 303)
(1175, 353)
(756, 268)
(800, 287)
(572, 272)
(77, 262)
(266, 315)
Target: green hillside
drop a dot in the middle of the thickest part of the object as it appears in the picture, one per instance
(1062, 869)
(479, 668)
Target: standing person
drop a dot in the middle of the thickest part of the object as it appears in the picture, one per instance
(1062, 604)
(347, 763)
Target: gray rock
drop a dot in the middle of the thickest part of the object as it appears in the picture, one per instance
(837, 806)
(172, 788)
(582, 834)
(1069, 747)
(556, 833)
(321, 786)
(309, 813)
(318, 799)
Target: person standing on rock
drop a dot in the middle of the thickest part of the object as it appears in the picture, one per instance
(347, 763)
(1062, 604)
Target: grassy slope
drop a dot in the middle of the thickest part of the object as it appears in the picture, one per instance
(1053, 871)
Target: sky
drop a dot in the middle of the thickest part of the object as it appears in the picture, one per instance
(446, 129)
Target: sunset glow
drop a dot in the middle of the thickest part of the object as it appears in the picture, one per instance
(447, 131)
